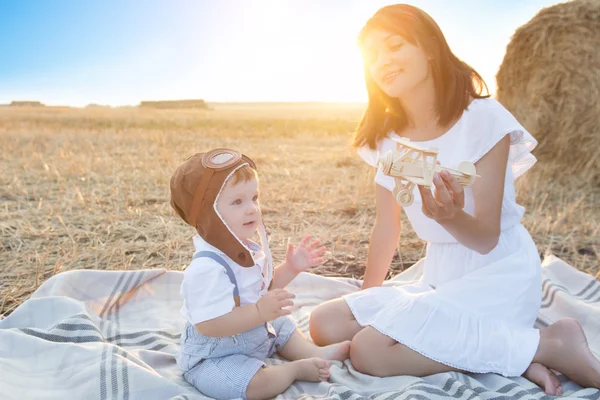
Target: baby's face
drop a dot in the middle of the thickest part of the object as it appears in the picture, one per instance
(238, 205)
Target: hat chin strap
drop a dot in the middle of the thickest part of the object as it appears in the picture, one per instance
(264, 243)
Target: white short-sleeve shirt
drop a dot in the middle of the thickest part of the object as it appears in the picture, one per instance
(482, 125)
(206, 289)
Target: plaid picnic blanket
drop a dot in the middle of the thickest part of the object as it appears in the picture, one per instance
(91, 334)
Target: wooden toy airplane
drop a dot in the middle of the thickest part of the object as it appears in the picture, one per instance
(416, 166)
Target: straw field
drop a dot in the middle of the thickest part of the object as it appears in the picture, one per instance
(88, 189)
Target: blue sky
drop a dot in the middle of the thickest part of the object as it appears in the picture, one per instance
(120, 52)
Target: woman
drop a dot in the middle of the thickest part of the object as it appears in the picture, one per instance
(474, 308)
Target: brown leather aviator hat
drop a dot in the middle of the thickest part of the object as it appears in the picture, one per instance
(195, 187)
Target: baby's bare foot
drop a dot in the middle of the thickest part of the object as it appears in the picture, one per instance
(337, 351)
(544, 378)
(312, 369)
(570, 354)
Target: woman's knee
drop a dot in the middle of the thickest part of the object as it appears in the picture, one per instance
(367, 350)
(322, 323)
(319, 323)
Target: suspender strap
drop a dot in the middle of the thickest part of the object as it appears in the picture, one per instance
(230, 274)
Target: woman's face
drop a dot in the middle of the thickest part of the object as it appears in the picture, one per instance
(395, 64)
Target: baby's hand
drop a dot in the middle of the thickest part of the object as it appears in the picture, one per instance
(270, 306)
(307, 255)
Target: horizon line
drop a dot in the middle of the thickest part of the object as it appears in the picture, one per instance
(298, 102)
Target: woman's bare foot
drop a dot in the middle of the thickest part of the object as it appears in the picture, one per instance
(563, 348)
(337, 351)
(312, 369)
(544, 378)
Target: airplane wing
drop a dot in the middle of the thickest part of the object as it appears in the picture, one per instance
(404, 142)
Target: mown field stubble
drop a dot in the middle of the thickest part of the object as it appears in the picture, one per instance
(88, 189)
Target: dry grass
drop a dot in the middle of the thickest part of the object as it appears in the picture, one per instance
(88, 189)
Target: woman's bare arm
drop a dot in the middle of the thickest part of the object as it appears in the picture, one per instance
(384, 237)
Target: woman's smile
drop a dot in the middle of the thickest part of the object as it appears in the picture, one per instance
(389, 77)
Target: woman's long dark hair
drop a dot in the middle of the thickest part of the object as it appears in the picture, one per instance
(455, 81)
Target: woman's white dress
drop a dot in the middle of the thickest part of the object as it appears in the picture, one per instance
(469, 311)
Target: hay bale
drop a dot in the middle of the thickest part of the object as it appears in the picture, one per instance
(175, 104)
(27, 103)
(97, 106)
(550, 80)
